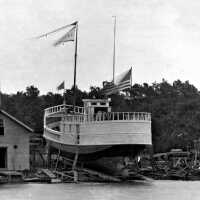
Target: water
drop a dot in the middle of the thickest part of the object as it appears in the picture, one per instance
(157, 190)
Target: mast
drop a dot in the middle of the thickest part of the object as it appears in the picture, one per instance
(114, 49)
(75, 62)
(75, 55)
(64, 99)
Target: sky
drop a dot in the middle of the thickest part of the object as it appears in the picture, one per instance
(158, 38)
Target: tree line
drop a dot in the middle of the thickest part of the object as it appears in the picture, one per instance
(175, 109)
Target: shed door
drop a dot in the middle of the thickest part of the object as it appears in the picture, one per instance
(3, 157)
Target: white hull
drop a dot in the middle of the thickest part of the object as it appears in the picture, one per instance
(89, 134)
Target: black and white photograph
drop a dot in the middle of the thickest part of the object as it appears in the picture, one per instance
(99, 100)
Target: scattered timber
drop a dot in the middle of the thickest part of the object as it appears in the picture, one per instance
(173, 165)
(101, 175)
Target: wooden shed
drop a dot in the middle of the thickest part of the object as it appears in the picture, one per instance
(14, 143)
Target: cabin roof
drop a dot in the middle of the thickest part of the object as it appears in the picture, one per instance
(16, 120)
(96, 100)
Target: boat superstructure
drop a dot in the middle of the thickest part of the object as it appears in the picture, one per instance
(94, 127)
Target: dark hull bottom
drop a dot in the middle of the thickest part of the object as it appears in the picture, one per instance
(110, 161)
(109, 151)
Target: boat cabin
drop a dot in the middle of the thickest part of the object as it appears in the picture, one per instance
(94, 106)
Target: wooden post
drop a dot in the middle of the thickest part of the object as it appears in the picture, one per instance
(153, 164)
(195, 149)
(74, 167)
(77, 141)
(48, 156)
(34, 162)
(75, 63)
(58, 157)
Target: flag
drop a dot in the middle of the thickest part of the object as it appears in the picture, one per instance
(109, 88)
(61, 86)
(56, 30)
(69, 36)
(123, 81)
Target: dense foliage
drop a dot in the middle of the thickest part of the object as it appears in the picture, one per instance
(175, 109)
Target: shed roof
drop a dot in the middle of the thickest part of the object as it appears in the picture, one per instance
(16, 120)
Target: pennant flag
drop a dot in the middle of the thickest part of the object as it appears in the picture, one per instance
(61, 86)
(56, 30)
(123, 81)
(69, 36)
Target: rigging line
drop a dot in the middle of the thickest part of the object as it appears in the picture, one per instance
(54, 31)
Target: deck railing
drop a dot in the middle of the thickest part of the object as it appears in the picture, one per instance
(63, 108)
(111, 116)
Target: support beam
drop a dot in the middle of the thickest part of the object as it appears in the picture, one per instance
(48, 164)
(74, 166)
(58, 157)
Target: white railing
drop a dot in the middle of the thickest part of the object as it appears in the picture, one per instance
(63, 108)
(111, 116)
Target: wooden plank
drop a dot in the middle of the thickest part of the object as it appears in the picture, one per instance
(64, 175)
(48, 173)
(104, 176)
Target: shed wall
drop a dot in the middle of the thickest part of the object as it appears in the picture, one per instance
(16, 139)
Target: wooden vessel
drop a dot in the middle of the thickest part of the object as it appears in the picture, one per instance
(94, 128)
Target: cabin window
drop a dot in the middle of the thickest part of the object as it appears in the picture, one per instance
(102, 109)
(1, 127)
(103, 103)
(94, 103)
